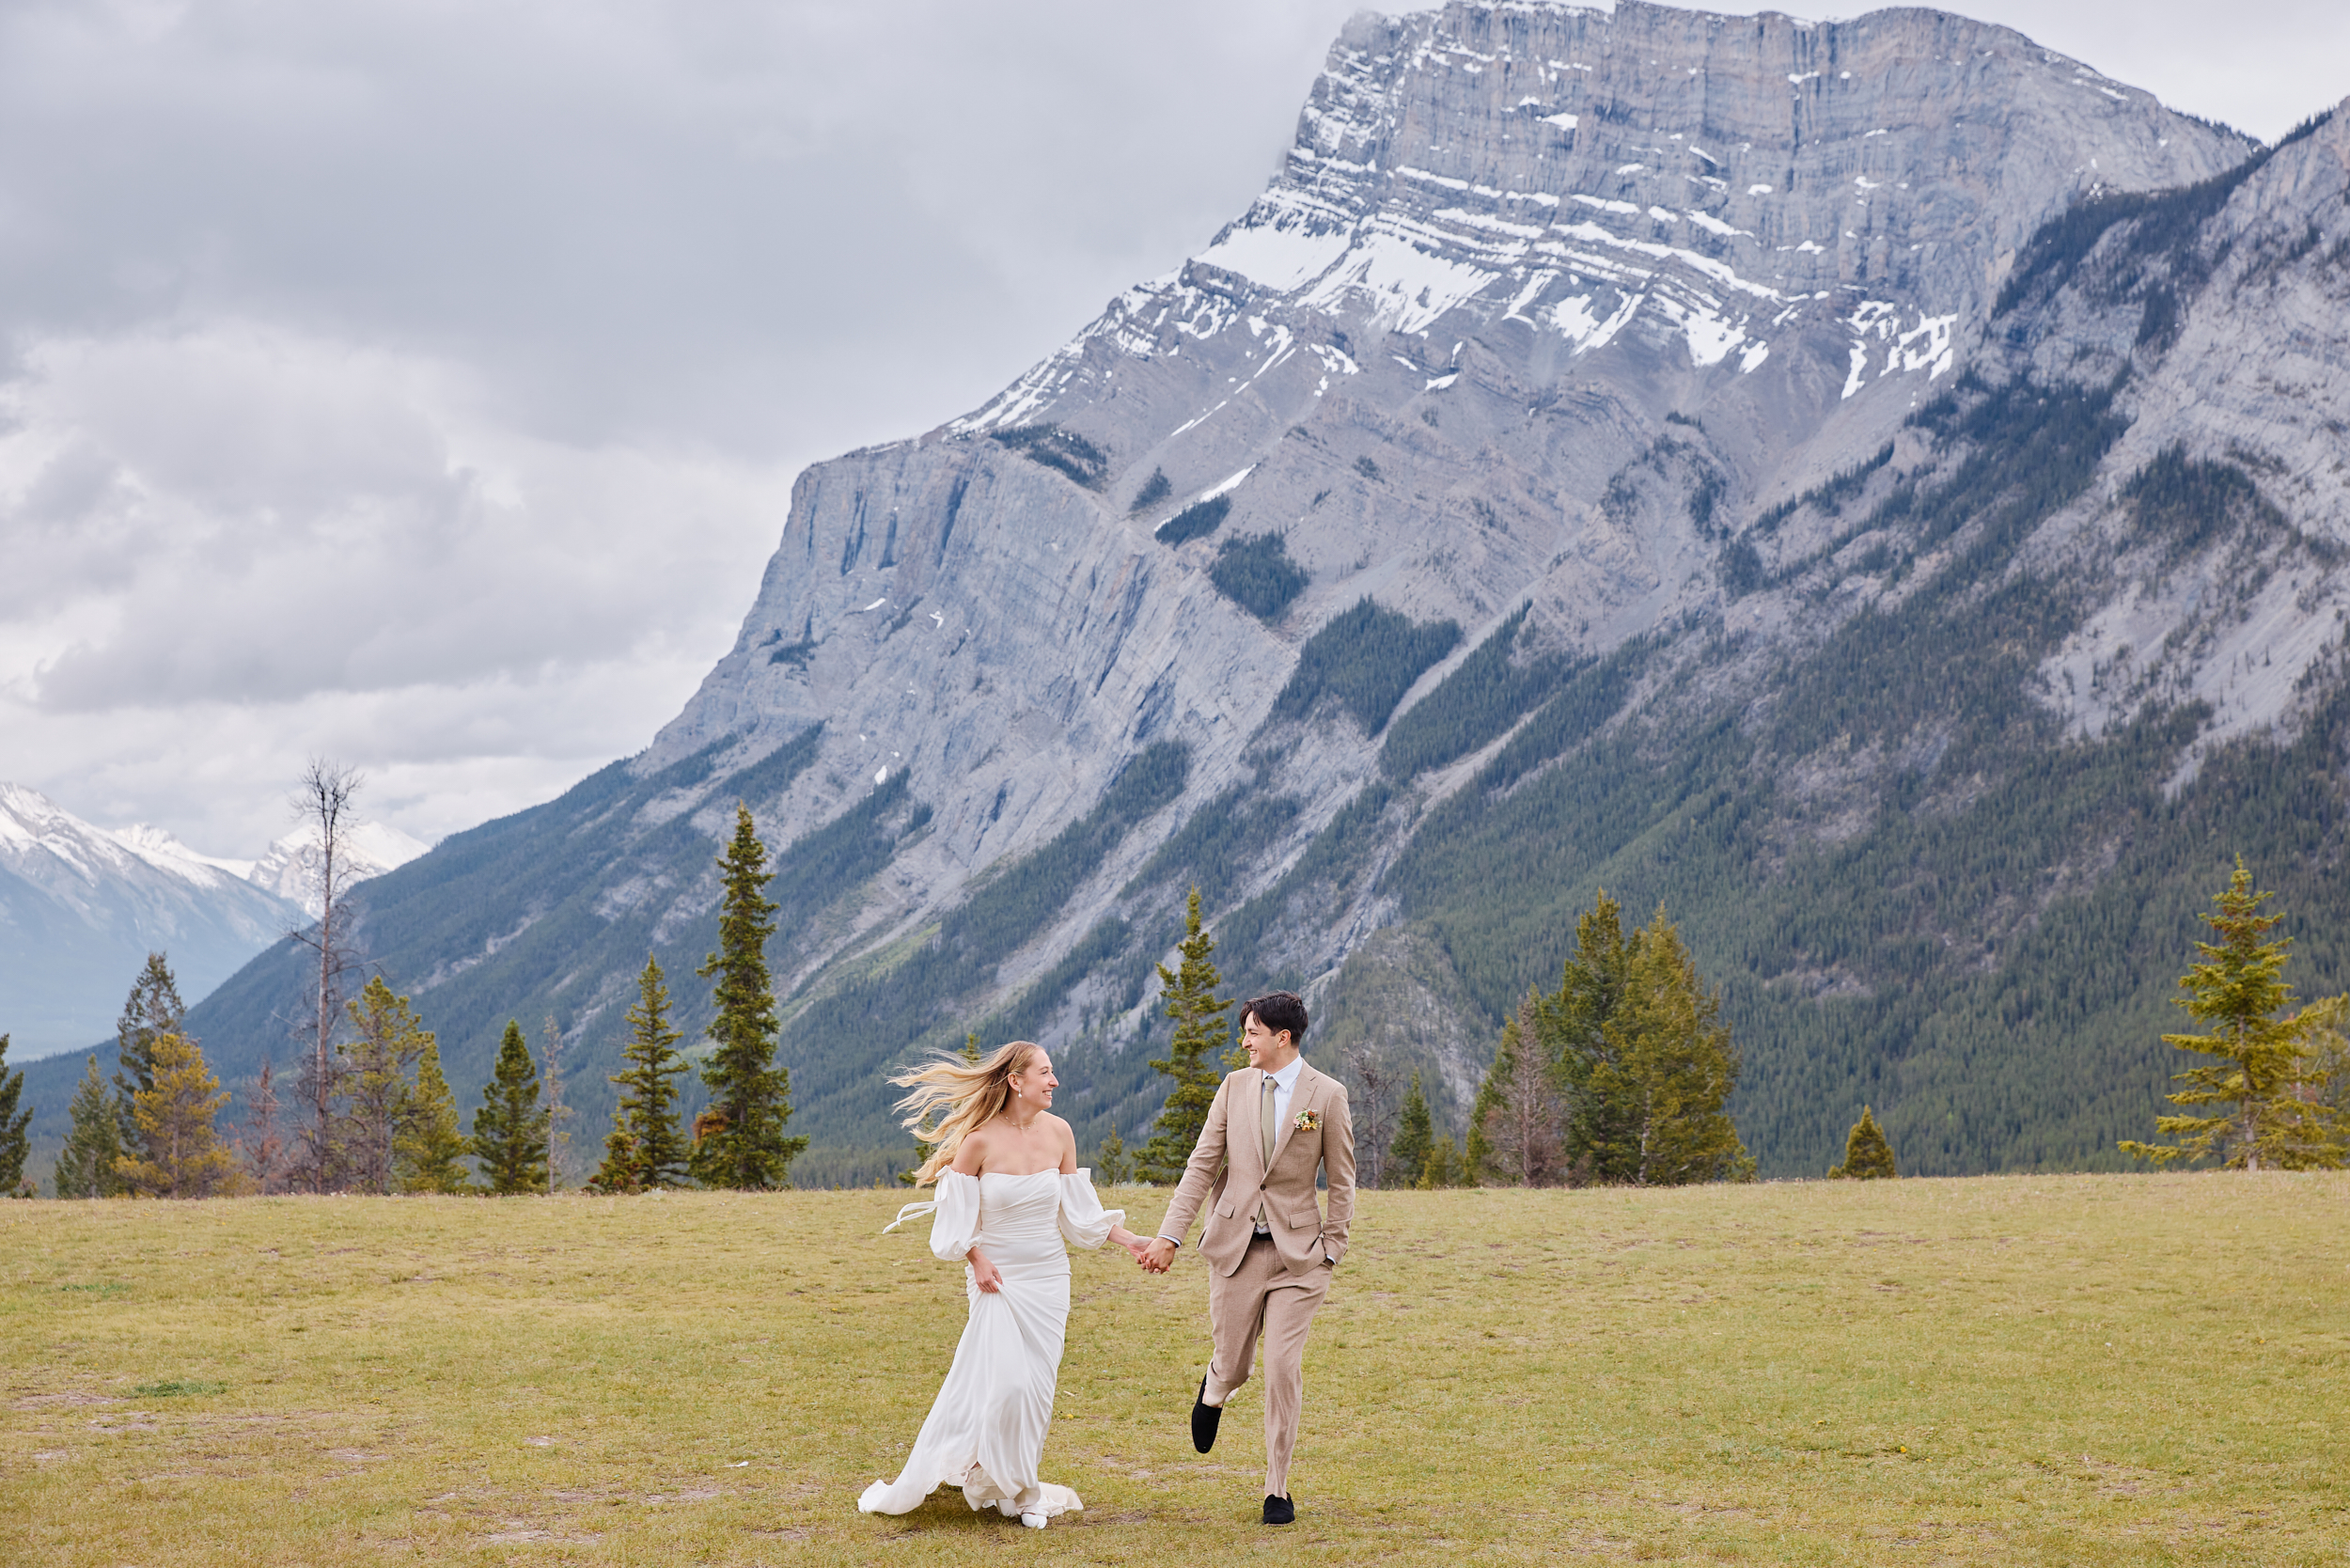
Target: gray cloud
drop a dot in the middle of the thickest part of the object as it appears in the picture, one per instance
(422, 384)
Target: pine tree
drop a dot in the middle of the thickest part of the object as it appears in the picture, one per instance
(1867, 1154)
(1636, 1048)
(646, 1147)
(2306, 1126)
(922, 1151)
(2240, 988)
(1600, 1139)
(86, 1165)
(1200, 1031)
(14, 1143)
(741, 1142)
(378, 1064)
(1678, 1064)
(509, 1131)
(153, 1008)
(178, 1154)
(1441, 1168)
(429, 1148)
(1109, 1161)
(1407, 1157)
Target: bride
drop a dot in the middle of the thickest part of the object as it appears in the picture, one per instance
(1008, 1190)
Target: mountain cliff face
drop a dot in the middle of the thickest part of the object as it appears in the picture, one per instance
(1873, 487)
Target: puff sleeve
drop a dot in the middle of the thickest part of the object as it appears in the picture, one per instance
(1083, 1219)
(955, 1223)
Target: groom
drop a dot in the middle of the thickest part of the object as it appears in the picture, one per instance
(1270, 1249)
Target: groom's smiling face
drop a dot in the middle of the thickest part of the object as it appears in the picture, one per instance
(1267, 1051)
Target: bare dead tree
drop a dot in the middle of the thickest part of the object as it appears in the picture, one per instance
(1373, 1119)
(262, 1145)
(1524, 1126)
(323, 801)
(558, 1114)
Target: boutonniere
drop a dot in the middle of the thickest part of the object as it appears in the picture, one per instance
(1308, 1122)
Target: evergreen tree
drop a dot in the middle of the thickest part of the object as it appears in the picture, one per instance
(2239, 988)
(429, 1148)
(1676, 1065)
(1441, 1168)
(1407, 1157)
(153, 1008)
(646, 1148)
(509, 1131)
(1641, 1060)
(1200, 1031)
(378, 1064)
(922, 1151)
(178, 1154)
(1600, 1139)
(742, 1143)
(1109, 1161)
(86, 1165)
(14, 1144)
(1867, 1154)
(2306, 1125)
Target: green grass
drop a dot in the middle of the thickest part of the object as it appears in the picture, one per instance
(2022, 1370)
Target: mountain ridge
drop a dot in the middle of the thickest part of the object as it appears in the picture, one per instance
(1769, 407)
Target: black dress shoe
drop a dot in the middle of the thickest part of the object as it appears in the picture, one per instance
(1204, 1418)
(1279, 1510)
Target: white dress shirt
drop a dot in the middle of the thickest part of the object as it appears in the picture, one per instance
(1284, 1084)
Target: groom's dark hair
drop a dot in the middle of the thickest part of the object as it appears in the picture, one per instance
(1281, 1009)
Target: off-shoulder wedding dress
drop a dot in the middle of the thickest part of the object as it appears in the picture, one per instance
(985, 1430)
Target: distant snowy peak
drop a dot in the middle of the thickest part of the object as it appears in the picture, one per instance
(291, 866)
(160, 848)
(48, 845)
(81, 907)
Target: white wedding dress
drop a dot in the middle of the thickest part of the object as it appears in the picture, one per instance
(985, 1432)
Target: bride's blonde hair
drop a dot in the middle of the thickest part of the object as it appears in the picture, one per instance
(962, 1095)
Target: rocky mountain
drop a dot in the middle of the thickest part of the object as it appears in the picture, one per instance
(1872, 486)
(289, 868)
(81, 908)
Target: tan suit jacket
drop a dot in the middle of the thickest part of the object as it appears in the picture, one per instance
(1229, 1172)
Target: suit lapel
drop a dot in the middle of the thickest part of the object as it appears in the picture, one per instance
(1301, 1100)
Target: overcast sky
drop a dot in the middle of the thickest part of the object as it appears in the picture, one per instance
(421, 384)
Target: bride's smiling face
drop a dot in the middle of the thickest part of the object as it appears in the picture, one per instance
(1034, 1083)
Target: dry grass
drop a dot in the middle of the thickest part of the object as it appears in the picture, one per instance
(2062, 1371)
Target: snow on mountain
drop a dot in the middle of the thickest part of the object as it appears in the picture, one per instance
(1879, 484)
(81, 906)
(289, 868)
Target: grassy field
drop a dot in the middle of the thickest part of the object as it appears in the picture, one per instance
(2074, 1371)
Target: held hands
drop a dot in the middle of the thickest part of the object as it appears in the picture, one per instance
(1157, 1255)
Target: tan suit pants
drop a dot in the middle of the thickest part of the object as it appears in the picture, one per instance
(1263, 1299)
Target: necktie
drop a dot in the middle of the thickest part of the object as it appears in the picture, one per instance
(1264, 1131)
